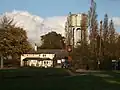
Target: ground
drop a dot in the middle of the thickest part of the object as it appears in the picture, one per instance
(58, 79)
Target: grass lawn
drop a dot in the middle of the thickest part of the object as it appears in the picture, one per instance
(57, 79)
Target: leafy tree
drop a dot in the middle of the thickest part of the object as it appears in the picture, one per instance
(105, 35)
(87, 52)
(112, 39)
(104, 42)
(93, 24)
(118, 47)
(81, 55)
(111, 42)
(6, 22)
(93, 20)
(105, 28)
(111, 32)
(13, 40)
(52, 40)
(84, 26)
(68, 31)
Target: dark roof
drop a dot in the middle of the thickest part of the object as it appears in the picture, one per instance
(59, 53)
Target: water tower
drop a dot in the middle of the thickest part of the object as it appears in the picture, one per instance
(76, 29)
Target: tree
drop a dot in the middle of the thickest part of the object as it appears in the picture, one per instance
(105, 28)
(81, 55)
(105, 36)
(93, 24)
(87, 53)
(93, 20)
(111, 32)
(84, 26)
(112, 39)
(52, 40)
(13, 40)
(68, 31)
(118, 47)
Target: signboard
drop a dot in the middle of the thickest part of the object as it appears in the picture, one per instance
(58, 61)
(63, 60)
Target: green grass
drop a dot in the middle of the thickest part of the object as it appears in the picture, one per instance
(57, 79)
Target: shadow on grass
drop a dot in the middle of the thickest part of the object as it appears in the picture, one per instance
(32, 73)
(53, 79)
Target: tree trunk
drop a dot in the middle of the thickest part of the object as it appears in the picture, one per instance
(1, 62)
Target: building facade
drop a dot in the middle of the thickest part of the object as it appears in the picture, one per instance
(37, 60)
(43, 58)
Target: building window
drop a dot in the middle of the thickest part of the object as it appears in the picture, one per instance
(44, 55)
(44, 62)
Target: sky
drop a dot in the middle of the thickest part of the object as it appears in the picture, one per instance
(49, 8)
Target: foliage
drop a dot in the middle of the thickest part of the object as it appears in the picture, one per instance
(92, 15)
(52, 40)
(107, 39)
(105, 28)
(13, 40)
(84, 25)
(104, 44)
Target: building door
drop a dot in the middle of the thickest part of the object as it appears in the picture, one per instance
(45, 63)
(25, 63)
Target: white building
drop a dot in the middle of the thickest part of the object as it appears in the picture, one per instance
(43, 57)
(37, 60)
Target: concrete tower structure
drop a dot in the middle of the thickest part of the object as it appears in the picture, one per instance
(76, 29)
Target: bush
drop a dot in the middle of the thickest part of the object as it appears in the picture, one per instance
(106, 64)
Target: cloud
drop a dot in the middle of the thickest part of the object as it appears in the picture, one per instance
(116, 21)
(56, 23)
(36, 26)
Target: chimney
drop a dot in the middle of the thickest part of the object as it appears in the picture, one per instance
(35, 48)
